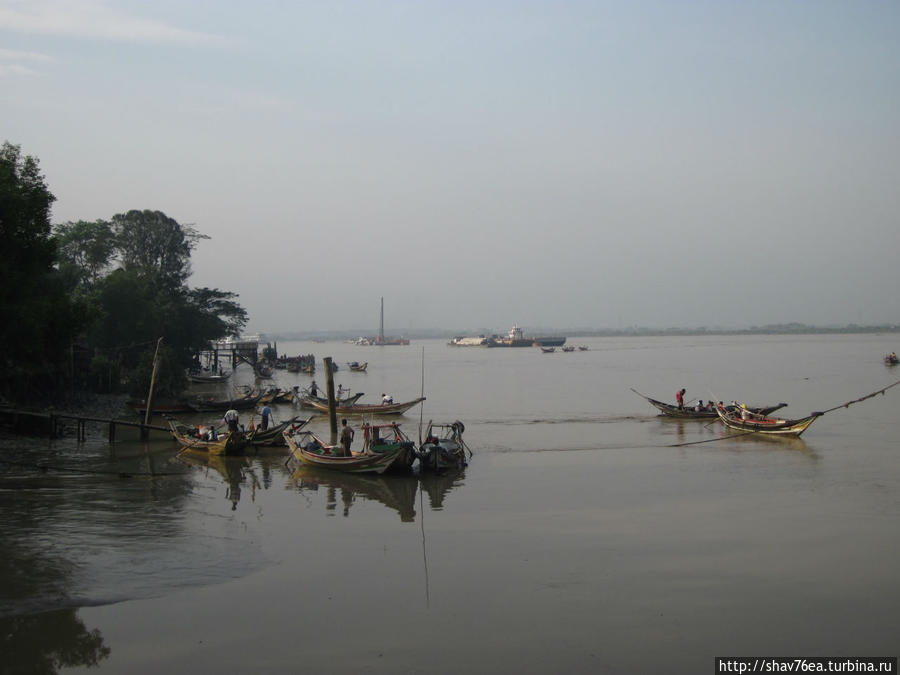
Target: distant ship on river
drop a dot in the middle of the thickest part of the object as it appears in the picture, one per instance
(515, 338)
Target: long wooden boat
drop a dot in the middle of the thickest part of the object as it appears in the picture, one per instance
(273, 435)
(763, 424)
(670, 410)
(161, 406)
(310, 401)
(214, 405)
(367, 409)
(212, 378)
(311, 450)
(225, 444)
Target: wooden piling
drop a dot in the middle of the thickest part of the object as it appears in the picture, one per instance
(332, 408)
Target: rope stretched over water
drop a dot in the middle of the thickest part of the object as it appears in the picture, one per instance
(818, 414)
(863, 398)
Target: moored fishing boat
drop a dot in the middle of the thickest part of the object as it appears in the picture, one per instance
(161, 406)
(379, 439)
(306, 399)
(740, 419)
(274, 434)
(364, 408)
(208, 378)
(670, 410)
(228, 443)
(443, 447)
(213, 405)
(311, 450)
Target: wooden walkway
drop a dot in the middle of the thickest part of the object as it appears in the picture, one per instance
(53, 424)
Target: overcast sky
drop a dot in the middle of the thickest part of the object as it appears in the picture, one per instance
(555, 163)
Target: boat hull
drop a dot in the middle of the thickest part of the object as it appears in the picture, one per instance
(363, 409)
(324, 458)
(669, 410)
(226, 444)
(768, 425)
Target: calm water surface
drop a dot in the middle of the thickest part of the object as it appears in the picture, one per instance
(584, 536)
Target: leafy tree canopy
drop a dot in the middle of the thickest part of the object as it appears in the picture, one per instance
(152, 243)
(39, 317)
(134, 268)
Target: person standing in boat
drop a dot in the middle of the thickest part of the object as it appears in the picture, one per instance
(266, 412)
(231, 419)
(313, 389)
(346, 437)
(679, 398)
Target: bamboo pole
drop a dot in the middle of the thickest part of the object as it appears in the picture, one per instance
(152, 382)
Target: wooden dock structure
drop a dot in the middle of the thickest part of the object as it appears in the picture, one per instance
(52, 425)
(245, 348)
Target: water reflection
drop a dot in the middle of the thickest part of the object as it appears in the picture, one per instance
(739, 440)
(232, 469)
(43, 643)
(397, 492)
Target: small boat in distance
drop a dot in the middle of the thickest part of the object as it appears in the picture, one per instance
(891, 359)
(358, 367)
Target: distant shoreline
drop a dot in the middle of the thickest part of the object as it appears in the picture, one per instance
(431, 334)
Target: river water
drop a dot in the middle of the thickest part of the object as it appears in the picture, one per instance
(586, 535)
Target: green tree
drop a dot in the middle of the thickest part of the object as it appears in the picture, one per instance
(135, 270)
(39, 317)
(86, 251)
(155, 244)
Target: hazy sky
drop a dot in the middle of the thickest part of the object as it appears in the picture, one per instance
(555, 163)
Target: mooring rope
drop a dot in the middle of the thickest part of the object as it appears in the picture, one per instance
(863, 398)
(817, 414)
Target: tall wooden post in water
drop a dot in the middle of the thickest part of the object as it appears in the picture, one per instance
(329, 387)
(144, 432)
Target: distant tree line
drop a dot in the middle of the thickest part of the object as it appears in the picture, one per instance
(84, 303)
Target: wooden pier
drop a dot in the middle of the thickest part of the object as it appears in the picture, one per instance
(53, 425)
(233, 351)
